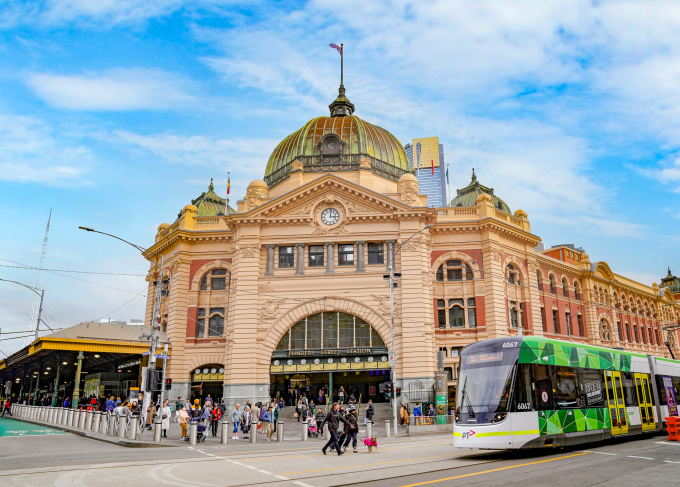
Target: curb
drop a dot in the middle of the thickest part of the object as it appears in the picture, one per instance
(99, 437)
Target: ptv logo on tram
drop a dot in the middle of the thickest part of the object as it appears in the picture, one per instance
(467, 435)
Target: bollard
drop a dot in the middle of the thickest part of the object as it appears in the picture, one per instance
(76, 418)
(225, 432)
(39, 415)
(193, 432)
(326, 432)
(133, 427)
(31, 412)
(122, 426)
(88, 420)
(157, 429)
(64, 416)
(305, 430)
(369, 428)
(69, 417)
(81, 419)
(112, 424)
(43, 413)
(96, 421)
(253, 433)
(51, 413)
(387, 428)
(279, 432)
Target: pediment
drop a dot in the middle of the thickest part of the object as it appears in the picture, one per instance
(355, 200)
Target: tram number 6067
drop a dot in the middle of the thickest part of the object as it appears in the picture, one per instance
(523, 406)
(511, 344)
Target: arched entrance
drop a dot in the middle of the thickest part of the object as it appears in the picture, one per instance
(207, 380)
(324, 351)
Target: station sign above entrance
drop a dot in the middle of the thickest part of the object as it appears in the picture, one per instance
(329, 352)
(324, 360)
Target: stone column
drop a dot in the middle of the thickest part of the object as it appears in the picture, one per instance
(270, 260)
(300, 259)
(330, 258)
(360, 257)
(390, 254)
(76, 386)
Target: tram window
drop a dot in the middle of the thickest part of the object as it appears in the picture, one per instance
(629, 394)
(566, 388)
(544, 392)
(590, 388)
(523, 395)
(661, 389)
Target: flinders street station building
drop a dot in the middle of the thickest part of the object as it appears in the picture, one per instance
(287, 290)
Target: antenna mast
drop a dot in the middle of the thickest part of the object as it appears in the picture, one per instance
(35, 308)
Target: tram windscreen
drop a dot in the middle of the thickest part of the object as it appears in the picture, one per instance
(485, 384)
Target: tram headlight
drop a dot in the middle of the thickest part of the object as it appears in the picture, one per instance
(499, 417)
(457, 418)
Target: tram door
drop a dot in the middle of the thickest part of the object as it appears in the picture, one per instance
(645, 401)
(617, 407)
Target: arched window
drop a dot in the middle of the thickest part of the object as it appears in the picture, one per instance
(513, 275)
(454, 270)
(331, 329)
(217, 279)
(452, 313)
(552, 285)
(565, 291)
(605, 331)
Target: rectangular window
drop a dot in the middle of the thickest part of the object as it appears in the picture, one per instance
(316, 255)
(455, 351)
(456, 314)
(314, 332)
(567, 321)
(286, 257)
(618, 325)
(297, 336)
(216, 322)
(629, 389)
(444, 349)
(590, 388)
(376, 254)
(543, 322)
(441, 313)
(544, 387)
(556, 321)
(523, 397)
(346, 254)
(454, 274)
(204, 284)
(363, 334)
(468, 273)
(523, 317)
(218, 283)
(566, 388)
(200, 326)
(472, 318)
(581, 331)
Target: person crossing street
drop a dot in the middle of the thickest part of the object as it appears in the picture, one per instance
(333, 420)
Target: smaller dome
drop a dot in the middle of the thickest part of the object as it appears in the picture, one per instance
(468, 195)
(408, 177)
(257, 183)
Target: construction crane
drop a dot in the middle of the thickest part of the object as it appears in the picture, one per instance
(33, 324)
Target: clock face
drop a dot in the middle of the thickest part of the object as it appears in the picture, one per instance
(330, 216)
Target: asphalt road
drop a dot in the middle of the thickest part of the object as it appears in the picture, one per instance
(76, 461)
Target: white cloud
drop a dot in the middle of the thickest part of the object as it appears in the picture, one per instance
(115, 90)
(33, 152)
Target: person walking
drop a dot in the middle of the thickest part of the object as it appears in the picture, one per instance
(353, 429)
(341, 395)
(8, 407)
(275, 415)
(298, 410)
(236, 419)
(183, 418)
(166, 412)
(369, 412)
(333, 420)
(215, 417)
(150, 413)
(268, 417)
(246, 421)
(178, 406)
(66, 403)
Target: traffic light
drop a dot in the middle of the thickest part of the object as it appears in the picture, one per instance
(168, 384)
(388, 391)
(154, 380)
(398, 391)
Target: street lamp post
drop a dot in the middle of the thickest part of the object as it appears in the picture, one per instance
(393, 354)
(41, 294)
(153, 338)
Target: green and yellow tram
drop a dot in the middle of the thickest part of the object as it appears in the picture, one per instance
(531, 392)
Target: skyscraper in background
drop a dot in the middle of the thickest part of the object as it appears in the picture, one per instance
(427, 160)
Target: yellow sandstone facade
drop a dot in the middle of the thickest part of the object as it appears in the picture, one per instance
(287, 291)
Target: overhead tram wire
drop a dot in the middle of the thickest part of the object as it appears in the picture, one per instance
(124, 304)
(67, 270)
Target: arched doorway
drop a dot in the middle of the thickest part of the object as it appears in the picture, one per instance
(324, 351)
(207, 380)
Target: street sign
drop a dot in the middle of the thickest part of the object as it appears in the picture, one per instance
(391, 355)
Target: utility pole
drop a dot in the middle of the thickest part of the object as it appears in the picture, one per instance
(37, 323)
(153, 339)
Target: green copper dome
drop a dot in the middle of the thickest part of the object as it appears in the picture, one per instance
(468, 195)
(671, 282)
(338, 143)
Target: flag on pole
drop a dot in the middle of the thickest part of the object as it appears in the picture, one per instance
(447, 174)
(228, 184)
(336, 47)
(433, 167)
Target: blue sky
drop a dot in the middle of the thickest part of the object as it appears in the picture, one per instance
(117, 113)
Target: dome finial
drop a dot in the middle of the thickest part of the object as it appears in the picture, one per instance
(341, 107)
(474, 176)
(211, 187)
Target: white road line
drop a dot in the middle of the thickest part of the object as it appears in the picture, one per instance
(643, 458)
(237, 463)
(666, 443)
(250, 467)
(302, 484)
(264, 471)
(280, 477)
(669, 461)
(600, 452)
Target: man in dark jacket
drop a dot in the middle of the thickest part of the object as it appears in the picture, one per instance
(369, 412)
(353, 429)
(333, 420)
